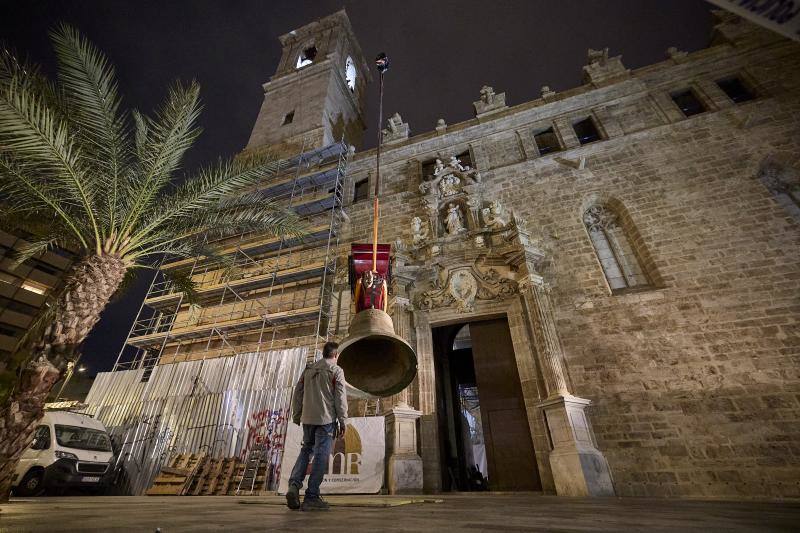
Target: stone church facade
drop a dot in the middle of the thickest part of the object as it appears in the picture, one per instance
(626, 255)
(640, 234)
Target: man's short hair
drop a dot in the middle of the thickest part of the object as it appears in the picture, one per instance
(330, 349)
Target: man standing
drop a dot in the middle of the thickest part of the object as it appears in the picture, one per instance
(320, 403)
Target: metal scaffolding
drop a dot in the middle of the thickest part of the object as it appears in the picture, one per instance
(259, 293)
(215, 377)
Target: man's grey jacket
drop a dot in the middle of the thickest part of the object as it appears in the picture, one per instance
(319, 397)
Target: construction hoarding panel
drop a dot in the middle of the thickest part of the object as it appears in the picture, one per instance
(222, 407)
(356, 463)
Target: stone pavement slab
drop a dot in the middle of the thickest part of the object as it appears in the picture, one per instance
(454, 512)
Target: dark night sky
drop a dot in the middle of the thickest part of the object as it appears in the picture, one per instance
(442, 52)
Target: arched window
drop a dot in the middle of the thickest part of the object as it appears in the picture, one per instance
(784, 184)
(613, 248)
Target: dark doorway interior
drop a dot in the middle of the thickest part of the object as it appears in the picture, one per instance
(484, 437)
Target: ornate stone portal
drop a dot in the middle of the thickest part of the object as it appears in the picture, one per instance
(486, 265)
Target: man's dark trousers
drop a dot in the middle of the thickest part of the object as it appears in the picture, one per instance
(317, 441)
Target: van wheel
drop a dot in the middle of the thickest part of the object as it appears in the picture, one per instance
(32, 484)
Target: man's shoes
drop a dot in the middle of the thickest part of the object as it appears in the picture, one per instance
(293, 497)
(314, 504)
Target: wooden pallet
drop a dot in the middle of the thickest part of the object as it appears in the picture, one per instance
(197, 475)
(174, 480)
(224, 476)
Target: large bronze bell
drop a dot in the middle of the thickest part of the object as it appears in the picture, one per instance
(373, 358)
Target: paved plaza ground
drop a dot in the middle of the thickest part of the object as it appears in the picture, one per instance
(458, 512)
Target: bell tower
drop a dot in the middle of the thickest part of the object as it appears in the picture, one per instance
(318, 91)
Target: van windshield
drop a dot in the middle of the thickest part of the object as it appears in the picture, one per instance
(83, 438)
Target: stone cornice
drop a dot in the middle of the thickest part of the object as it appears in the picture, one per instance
(641, 82)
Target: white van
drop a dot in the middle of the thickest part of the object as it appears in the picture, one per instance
(68, 450)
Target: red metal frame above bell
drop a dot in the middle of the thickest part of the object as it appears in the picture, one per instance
(361, 261)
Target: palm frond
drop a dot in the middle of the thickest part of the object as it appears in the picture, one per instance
(30, 250)
(26, 197)
(31, 131)
(11, 68)
(211, 186)
(139, 134)
(165, 141)
(248, 213)
(90, 86)
(181, 281)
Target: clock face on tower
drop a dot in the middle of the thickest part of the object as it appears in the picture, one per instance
(350, 73)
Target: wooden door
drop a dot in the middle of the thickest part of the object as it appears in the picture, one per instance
(509, 449)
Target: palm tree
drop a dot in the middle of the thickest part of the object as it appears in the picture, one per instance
(82, 174)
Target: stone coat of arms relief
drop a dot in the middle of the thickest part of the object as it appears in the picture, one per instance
(461, 286)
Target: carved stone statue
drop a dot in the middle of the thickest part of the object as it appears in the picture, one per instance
(675, 54)
(396, 130)
(420, 230)
(489, 101)
(454, 222)
(487, 94)
(601, 69)
(597, 56)
(495, 216)
(438, 167)
(394, 123)
(370, 292)
(449, 185)
(456, 164)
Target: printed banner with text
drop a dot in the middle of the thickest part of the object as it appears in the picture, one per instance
(356, 463)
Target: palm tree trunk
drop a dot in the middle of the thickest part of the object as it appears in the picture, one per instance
(89, 288)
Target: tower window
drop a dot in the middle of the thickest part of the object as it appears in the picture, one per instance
(288, 119)
(688, 102)
(307, 56)
(586, 131)
(736, 90)
(361, 190)
(350, 74)
(546, 141)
